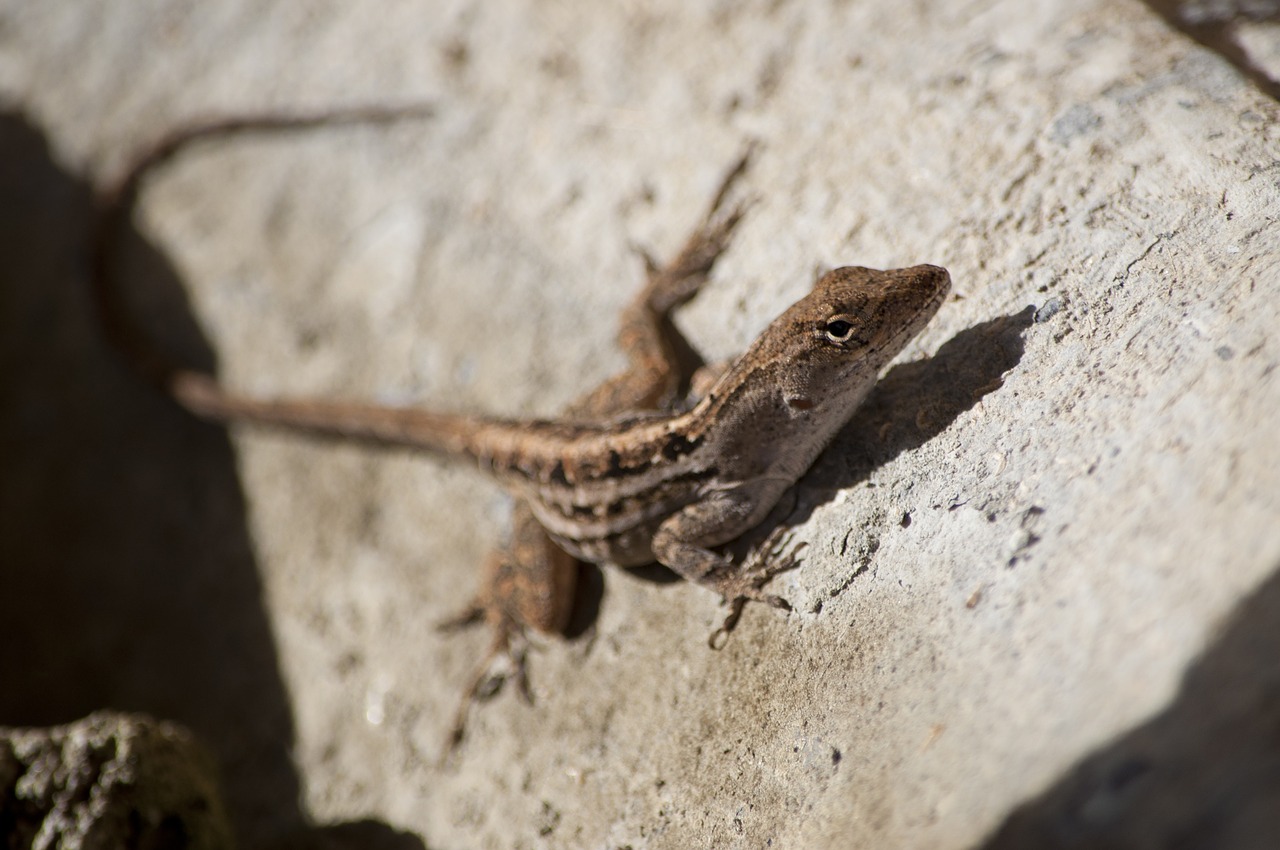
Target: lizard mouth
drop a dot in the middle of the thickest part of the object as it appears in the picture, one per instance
(915, 294)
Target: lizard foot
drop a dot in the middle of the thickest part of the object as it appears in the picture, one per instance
(774, 556)
(675, 283)
(505, 659)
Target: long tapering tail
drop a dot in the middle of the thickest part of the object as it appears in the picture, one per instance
(367, 423)
(200, 393)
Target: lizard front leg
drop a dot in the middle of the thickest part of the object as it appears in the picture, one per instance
(684, 543)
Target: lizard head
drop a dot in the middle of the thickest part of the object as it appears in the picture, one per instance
(869, 313)
(800, 382)
(832, 343)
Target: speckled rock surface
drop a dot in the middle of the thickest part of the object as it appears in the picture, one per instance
(1041, 565)
(110, 780)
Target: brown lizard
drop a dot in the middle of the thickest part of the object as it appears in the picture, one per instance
(627, 477)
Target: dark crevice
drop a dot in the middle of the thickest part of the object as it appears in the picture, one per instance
(1203, 774)
(127, 576)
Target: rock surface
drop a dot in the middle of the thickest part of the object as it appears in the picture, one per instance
(109, 781)
(1041, 564)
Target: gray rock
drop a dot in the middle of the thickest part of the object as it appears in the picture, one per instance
(107, 782)
(1090, 497)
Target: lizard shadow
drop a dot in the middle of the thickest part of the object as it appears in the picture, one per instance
(912, 403)
(129, 578)
(916, 401)
(1215, 29)
(1203, 773)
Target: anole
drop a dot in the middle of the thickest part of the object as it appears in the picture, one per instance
(629, 476)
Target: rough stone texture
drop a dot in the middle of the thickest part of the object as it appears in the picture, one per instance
(109, 781)
(1040, 590)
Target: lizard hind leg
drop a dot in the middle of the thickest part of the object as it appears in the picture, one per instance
(529, 585)
(509, 644)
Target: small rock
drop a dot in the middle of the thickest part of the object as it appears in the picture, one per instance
(109, 781)
(1050, 309)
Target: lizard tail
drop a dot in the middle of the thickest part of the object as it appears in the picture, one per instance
(367, 423)
(196, 391)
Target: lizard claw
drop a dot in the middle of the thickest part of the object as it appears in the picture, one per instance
(777, 602)
(720, 636)
(510, 645)
(737, 602)
(775, 556)
(472, 615)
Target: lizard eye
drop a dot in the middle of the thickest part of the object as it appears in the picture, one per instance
(839, 330)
